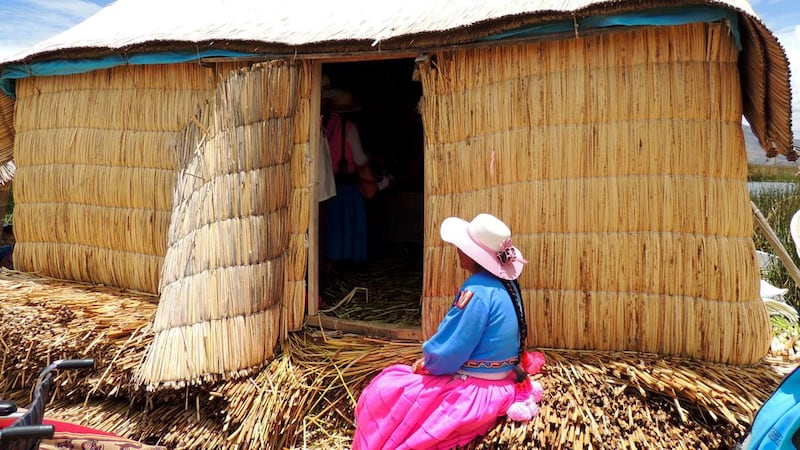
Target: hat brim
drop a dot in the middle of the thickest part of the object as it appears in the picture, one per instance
(454, 231)
(352, 107)
(329, 92)
(341, 101)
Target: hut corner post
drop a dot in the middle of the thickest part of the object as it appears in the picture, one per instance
(312, 275)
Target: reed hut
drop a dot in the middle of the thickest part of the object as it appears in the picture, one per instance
(179, 160)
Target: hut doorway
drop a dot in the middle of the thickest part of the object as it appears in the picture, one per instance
(384, 286)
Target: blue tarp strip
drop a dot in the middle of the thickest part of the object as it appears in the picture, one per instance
(661, 16)
(13, 72)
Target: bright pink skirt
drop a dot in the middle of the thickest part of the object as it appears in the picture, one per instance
(403, 410)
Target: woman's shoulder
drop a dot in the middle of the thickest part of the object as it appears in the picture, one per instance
(482, 283)
(484, 278)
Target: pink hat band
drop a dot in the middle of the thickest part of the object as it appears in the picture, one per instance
(506, 253)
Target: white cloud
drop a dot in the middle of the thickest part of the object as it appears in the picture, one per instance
(24, 23)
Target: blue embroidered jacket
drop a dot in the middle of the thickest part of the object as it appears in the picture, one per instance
(480, 332)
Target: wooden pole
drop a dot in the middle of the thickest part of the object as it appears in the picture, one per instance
(312, 275)
(780, 250)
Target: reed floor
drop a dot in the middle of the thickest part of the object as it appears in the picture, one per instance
(385, 290)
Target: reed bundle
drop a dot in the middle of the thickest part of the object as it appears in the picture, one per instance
(115, 267)
(765, 70)
(6, 132)
(48, 319)
(7, 172)
(171, 424)
(226, 266)
(68, 224)
(168, 76)
(96, 162)
(8, 167)
(100, 187)
(617, 160)
(299, 218)
(294, 295)
(293, 312)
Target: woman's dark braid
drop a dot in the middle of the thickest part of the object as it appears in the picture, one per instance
(514, 291)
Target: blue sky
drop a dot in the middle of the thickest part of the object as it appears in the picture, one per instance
(782, 17)
(24, 23)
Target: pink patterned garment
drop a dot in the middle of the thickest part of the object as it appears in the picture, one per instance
(403, 410)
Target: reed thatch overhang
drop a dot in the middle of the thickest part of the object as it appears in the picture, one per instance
(7, 167)
(153, 31)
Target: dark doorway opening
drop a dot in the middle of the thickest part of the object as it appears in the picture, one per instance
(387, 286)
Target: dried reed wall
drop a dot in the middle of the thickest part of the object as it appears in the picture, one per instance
(6, 135)
(233, 231)
(7, 165)
(294, 299)
(618, 161)
(764, 69)
(302, 158)
(96, 169)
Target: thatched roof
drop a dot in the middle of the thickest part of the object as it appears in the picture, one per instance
(266, 26)
(127, 29)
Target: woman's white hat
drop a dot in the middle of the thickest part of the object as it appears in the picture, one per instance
(340, 99)
(487, 240)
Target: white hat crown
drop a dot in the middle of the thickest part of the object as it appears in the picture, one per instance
(488, 231)
(487, 241)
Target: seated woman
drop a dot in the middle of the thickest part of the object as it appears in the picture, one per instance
(474, 368)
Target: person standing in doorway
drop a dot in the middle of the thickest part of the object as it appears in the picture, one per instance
(344, 215)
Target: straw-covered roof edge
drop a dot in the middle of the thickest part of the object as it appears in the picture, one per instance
(766, 88)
